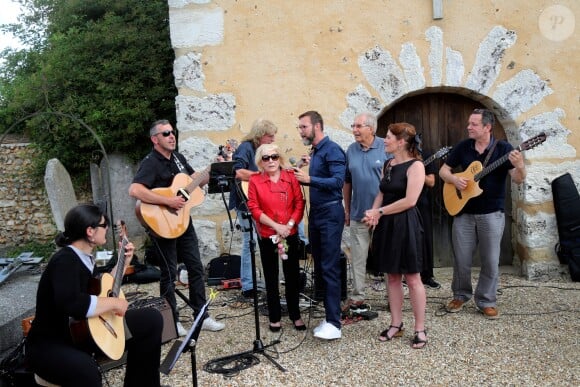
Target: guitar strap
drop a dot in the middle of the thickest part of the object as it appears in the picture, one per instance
(178, 163)
(490, 152)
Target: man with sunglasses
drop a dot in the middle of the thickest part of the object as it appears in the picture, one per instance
(326, 219)
(156, 170)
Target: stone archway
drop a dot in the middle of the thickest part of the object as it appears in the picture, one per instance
(441, 118)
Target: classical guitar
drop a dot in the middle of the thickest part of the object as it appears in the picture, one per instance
(167, 222)
(106, 331)
(455, 199)
(437, 155)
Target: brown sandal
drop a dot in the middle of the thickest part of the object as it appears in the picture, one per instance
(384, 336)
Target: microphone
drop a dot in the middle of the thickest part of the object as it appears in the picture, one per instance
(296, 164)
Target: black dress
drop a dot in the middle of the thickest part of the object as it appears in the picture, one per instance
(397, 244)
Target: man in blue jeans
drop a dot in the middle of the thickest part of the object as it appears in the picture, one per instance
(326, 219)
(481, 221)
(262, 132)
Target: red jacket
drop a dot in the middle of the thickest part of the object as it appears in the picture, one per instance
(280, 201)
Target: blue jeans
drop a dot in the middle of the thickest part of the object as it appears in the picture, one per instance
(482, 231)
(325, 233)
(246, 257)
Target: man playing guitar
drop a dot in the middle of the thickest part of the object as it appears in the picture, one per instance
(157, 170)
(482, 220)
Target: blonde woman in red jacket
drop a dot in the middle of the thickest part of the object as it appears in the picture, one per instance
(276, 203)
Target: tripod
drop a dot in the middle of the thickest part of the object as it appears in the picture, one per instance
(258, 345)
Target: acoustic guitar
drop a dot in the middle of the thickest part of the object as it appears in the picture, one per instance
(455, 199)
(106, 331)
(167, 222)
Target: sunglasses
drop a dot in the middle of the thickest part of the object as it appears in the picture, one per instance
(103, 225)
(273, 157)
(166, 133)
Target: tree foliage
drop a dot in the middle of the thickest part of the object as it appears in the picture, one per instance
(107, 62)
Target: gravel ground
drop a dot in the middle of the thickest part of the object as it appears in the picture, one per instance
(534, 342)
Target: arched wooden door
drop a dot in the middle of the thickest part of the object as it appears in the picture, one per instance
(442, 119)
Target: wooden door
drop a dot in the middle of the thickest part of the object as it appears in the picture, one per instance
(442, 119)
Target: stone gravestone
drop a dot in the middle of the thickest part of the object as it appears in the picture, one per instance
(60, 191)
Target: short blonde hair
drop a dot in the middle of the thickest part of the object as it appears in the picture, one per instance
(268, 148)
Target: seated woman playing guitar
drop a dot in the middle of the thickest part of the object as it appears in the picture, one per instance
(63, 295)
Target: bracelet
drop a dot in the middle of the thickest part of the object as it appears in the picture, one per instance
(291, 223)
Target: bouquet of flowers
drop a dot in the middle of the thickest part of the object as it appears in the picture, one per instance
(282, 246)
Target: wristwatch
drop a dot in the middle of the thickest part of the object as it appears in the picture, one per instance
(291, 223)
(381, 210)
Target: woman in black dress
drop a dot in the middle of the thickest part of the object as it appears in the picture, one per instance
(63, 293)
(397, 244)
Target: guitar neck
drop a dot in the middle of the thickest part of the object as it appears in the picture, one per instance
(492, 166)
(197, 181)
(120, 268)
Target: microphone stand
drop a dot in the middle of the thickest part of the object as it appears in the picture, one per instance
(258, 345)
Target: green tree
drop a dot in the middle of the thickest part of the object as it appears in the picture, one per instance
(107, 62)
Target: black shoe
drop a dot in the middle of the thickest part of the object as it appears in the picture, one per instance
(248, 293)
(431, 283)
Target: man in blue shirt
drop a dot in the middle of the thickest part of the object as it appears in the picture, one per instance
(326, 219)
(481, 221)
(364, 162)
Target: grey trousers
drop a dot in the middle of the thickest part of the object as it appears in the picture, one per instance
(472, 231)
(360, 239)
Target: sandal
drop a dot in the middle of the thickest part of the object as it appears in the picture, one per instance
(384, 336)
(417, 341)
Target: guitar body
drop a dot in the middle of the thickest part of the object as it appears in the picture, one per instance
(108, 329)
(166, 222)
(105, 332)
(454, 199)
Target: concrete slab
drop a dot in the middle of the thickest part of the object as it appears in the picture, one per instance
(17, 301)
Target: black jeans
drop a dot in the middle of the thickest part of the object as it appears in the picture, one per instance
(291, 269)
(186, 248)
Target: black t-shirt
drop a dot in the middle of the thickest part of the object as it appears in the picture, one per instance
(157, 171)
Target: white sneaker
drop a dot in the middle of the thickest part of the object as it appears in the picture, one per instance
(181, 331)
(319, 326)
(328, 332)
(209, 324)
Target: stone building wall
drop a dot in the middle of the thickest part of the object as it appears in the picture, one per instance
(25, 213)
(237, 61)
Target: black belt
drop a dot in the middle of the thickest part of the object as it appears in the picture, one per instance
(327, 204)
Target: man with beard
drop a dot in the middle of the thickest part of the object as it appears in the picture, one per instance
(326, 218)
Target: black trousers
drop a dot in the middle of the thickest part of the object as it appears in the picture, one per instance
(65, 365)
(291, 269)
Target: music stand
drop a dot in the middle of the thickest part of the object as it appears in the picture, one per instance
(220, 175)
(188, 344)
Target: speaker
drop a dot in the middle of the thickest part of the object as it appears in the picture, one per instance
(161, 304)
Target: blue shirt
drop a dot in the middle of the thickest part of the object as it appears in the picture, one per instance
(493, 184)
(243, 158)
(327, 171)
(363, 171)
